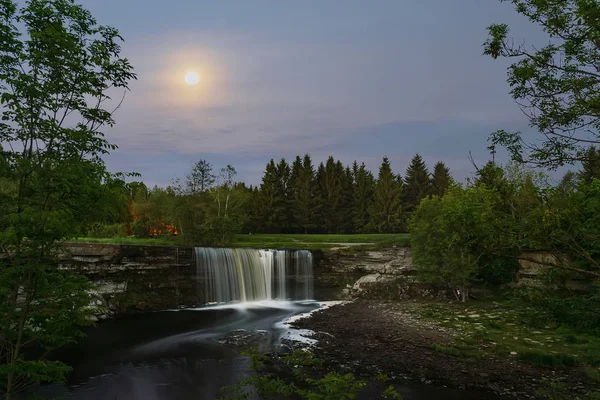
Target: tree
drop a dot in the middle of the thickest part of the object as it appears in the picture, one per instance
(590, 165)
(416, 183)
(271, 201)
(347, 203)
(303, 194)
(200, 177)
(557, 85)
(283, 172)
(329, 178)
(364, 184)
(450, 234)
(386, 209)
(441, 179)
(228, 213)
(58, 69)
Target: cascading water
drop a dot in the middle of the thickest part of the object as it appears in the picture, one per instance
(232, 275)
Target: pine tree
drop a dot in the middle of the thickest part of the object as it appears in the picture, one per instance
(441, 180)
(416, 183)
(329, 179)
(303, 194)
(283, 179)
(591, 165)
(347, 200)
(386, 210)
(364, 184)
(271, 201)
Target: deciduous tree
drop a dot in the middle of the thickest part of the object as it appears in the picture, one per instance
(58, 71)
(556, 85)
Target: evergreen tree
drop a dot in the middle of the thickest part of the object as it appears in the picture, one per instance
(329, 179)
(283, 173)
(271, 202)
(416, 183)
(303, 194)
(364, 183)
(441, 180)
(348, 190)
(386, 209)
(591, 165)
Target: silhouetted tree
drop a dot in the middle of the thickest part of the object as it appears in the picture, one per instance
(303, 194)
(416, 183)
(200, 177)
(386, 210)
(441, 179)
(364, 184)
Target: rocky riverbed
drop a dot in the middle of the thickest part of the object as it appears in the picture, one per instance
(368, 337)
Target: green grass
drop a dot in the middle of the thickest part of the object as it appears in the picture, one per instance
(277, 241)
(320, 241)
(495, 326)
(129, 240)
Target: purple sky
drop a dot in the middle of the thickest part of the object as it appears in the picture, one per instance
(354, 79)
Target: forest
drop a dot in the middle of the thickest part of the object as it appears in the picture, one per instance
(209, 207)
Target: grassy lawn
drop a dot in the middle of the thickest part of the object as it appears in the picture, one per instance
(300, 241)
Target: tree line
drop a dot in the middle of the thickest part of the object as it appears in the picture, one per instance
(210, 207)
(333, 198)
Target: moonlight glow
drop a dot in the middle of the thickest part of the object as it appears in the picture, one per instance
(192, 78)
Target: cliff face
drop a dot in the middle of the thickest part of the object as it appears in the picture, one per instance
(131, 277)
(389, 261)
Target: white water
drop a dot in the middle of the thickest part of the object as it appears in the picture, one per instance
(249, 275)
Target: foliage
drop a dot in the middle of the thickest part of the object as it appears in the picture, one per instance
(303, 192)
(590, 166)
(386, 209)
(200, 178)
(364, 187)
(556, 85)
(441, 180)
(107, 231)
(449, 235)
(58, 70)
(332, 386)
(416, 183)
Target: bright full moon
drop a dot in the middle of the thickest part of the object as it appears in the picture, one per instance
(192, 78)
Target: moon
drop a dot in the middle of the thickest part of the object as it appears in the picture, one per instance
(192, 78)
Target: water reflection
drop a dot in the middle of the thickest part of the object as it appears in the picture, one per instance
(184, 354)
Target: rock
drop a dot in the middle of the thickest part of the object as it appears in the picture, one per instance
(370, 279)
(513, 353)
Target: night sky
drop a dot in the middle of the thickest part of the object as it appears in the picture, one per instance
(354, 79)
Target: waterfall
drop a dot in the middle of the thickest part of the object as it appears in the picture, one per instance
(230, 275)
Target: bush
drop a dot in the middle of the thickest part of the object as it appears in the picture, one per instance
(102, 231)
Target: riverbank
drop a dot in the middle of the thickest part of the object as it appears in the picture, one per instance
(410, 342)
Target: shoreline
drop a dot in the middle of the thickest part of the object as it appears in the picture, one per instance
(369, 337)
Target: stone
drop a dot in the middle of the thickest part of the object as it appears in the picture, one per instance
(370, 279)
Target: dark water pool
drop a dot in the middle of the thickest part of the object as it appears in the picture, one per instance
(180, 355)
